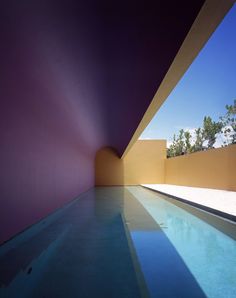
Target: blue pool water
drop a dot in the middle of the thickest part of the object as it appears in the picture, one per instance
(122, 242)
(209, 254)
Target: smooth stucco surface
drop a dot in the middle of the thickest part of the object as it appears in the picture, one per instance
(144, 163)
(71, 74)
(77, 76)
(211, 169)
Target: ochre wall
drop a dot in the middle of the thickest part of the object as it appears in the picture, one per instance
(109, 168)
(144, 163)
(214, 168)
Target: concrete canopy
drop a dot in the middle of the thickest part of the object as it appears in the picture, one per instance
(101, 61)
(75, 76)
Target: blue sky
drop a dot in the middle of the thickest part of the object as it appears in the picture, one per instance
(207, 86)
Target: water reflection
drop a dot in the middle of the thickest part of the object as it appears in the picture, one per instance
(209, 254)
(164, 271)
(119, 242)
(83, 252)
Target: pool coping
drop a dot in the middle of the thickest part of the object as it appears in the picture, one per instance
(214, 211)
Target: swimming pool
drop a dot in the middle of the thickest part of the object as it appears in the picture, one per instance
(122, 242)
(192, 235)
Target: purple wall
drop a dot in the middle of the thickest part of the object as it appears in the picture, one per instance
(73, 78)
(49, 89)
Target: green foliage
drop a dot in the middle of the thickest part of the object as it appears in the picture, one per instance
(198, 145)
(188, 147)
(210, 129)
(229, 123)
(183, 143)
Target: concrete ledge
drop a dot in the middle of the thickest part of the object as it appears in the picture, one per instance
(219, 202)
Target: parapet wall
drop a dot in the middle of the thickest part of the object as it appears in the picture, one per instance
(214, 168)
(144, 163)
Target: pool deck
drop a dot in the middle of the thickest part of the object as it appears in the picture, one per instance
(220, 202)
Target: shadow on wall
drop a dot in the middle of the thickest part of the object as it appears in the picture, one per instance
(109, 168)
(145, 163)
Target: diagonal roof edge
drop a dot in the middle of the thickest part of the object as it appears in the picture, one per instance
(209, 17)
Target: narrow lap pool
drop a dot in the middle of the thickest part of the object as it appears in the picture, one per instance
(122, 242)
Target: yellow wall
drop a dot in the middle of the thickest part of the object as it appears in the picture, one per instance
(109, 168)
(144, 163)
(214, 168)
